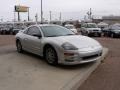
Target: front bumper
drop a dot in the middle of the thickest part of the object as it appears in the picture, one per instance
(117, 34)
(94, 33)
(80, 57)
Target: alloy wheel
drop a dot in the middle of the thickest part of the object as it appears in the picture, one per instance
(51, 56)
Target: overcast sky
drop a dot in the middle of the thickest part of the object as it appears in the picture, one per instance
(71, 9)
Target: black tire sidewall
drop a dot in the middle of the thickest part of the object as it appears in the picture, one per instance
(55, 62)
(19, 49)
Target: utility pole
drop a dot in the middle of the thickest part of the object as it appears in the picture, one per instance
(60, 16)
(50, 16)
(28, 14)
(41, 12)
(14, 16)
(85, 17)
(18, 16)
(36, 18)
(90, 13)
(2, 19)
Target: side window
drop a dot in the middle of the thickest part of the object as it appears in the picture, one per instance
(25, 32)
(33, 30)
(84, 25)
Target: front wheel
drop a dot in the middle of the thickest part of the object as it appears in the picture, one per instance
(19, 47)
(51, 55)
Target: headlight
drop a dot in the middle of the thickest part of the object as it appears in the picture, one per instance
(68, 46)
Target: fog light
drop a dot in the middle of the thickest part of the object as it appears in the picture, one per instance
(71, 57)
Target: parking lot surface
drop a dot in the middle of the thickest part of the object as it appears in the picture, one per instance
(30, 72)
(107, 75)
(6, 40)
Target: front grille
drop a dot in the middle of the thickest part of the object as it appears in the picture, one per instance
(96, 30)
(90, 57)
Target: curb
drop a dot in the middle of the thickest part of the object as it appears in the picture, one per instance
(79, 80)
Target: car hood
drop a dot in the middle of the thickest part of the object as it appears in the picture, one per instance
(78, 41)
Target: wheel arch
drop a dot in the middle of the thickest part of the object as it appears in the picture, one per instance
(48, 45)
(55, 52)
(17, 39)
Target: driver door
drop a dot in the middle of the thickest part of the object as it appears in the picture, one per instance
(33, 43)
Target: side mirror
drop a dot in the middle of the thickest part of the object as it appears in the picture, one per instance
(37, 35)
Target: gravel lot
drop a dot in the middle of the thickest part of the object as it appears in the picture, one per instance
(105, 77)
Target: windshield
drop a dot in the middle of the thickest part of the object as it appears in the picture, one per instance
(91, 26)
(54, 31)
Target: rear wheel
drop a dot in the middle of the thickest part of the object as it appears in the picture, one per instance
(51, 55)
(19, 47)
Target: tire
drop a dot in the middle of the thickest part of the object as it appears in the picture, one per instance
(99, 35)
(13, 33)
(50, 55)
(19, 46)
(3, 32)
(89, 35)
(113, 35)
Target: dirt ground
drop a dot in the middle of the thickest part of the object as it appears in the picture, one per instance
(105, 77)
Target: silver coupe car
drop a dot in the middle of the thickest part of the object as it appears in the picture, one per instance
(58, 45)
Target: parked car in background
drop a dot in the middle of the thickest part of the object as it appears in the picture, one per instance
(0, 30)
(5, 30)
(71, 27)
(15, 31)
(5, 27)
(112, 31)
(105, 31)
(58, 44)
(90, 29)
